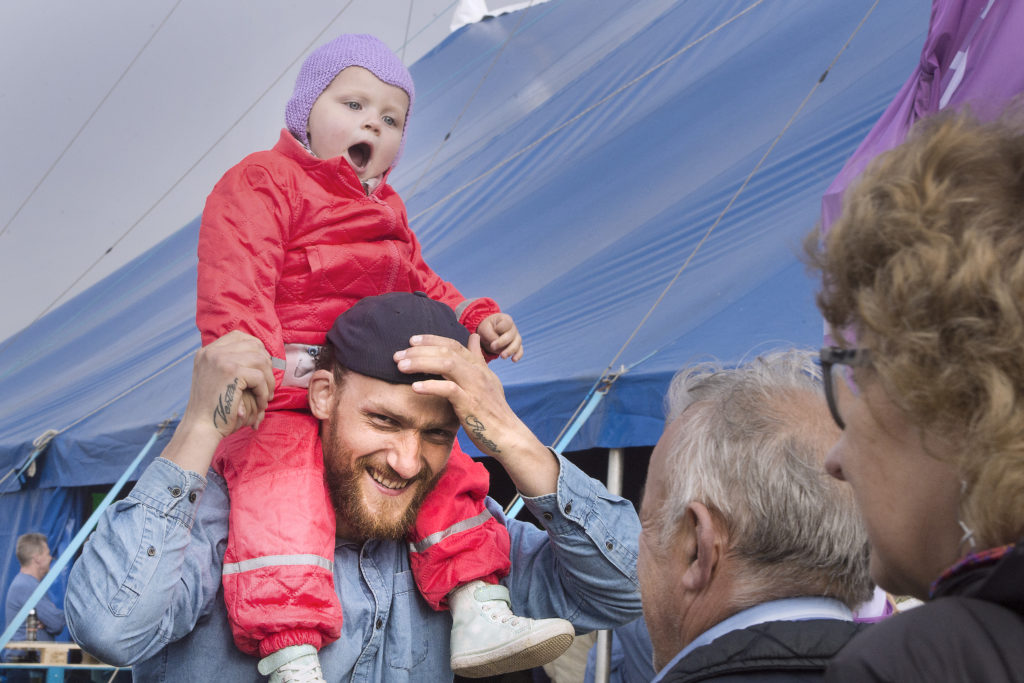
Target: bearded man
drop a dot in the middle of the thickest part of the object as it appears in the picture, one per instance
(146, 590)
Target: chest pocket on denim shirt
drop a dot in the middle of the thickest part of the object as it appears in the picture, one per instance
(413, 626)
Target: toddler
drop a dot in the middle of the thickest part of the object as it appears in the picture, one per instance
(291, 237)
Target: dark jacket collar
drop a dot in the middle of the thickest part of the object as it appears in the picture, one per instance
(797, 646)
(993, 575)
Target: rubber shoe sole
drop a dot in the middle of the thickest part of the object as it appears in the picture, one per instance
(514, 656)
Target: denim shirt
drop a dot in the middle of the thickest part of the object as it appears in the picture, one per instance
(146, 590)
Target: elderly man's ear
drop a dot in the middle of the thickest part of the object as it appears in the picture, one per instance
(321, 393)
(702, 547)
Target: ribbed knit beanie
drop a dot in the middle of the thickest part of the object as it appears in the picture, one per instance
(327, 61)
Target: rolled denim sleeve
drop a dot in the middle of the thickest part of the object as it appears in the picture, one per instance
(151, 569)
(590, 548)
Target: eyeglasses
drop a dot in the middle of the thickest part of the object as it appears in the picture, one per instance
(834, 358)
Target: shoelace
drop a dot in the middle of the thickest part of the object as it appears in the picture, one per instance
(299, 673)
(507, 617)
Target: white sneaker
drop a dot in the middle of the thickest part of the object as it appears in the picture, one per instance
(295, 664)
(488, 639)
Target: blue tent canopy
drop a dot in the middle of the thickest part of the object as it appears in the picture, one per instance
(566, 160)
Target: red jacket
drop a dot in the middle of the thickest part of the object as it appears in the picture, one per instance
(289, 241)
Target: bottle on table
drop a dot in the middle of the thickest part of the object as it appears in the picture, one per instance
(31, 625)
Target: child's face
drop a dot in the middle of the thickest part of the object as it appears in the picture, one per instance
(361, 118)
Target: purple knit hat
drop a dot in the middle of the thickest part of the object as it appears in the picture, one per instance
(328, 60)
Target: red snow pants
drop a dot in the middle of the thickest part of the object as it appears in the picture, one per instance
(277, 577)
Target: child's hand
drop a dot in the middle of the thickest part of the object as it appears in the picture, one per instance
(499, 335)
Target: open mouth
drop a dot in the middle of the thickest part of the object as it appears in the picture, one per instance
(359, 154)
(394, 484)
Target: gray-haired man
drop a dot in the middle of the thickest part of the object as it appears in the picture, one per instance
(751, 556)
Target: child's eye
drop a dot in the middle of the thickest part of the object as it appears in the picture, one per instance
(355, 106)
(390, 120)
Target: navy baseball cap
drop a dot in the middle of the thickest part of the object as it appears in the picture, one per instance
(365, 337)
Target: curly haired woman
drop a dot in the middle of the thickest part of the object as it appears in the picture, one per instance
(923, 287)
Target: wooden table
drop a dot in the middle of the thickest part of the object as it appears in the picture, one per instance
(53, 657)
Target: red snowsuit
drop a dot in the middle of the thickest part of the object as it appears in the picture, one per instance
(287, 243)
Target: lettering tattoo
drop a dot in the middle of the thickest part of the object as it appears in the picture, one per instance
(224, 402)
(477, 428)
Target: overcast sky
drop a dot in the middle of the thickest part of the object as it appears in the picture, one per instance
(109, 106)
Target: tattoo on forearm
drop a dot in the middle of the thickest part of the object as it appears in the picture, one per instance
(224, 401)
(477, 428)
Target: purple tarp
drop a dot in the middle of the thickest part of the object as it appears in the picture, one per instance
(974, 54)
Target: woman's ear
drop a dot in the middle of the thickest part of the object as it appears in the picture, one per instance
(321, 393)
(704, 547)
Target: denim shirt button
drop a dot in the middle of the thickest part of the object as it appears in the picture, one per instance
(609, 545)
(379, 624)
(151, 551)
(547, 516)
(175, 491)
(568, 507)
(192, 497)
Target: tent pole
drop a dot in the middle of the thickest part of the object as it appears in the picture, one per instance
(602, 668)
(76, 542)
(614, 484)
(515, 507)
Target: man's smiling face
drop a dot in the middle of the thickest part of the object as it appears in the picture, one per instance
(385, 447)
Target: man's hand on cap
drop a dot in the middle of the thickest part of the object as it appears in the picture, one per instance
(469, 385)
(478, 399)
